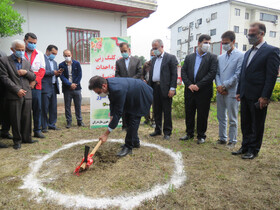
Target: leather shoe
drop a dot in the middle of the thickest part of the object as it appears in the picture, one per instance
(81, 124)
(238, 152)
(45, 131)
(55, 128)
(6, 136)
(17, 146)
(125, 151)
(219, 141)
(166, 137)
(39, 135)
(31, 142)
(3, 145)
(200, 141)
(186, 137)
(249, 155)
(155, 134)
(68, 125)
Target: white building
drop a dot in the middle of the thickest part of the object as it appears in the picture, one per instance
(215, 19)
(72, 23)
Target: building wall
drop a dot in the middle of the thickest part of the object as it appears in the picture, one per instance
(49, 23)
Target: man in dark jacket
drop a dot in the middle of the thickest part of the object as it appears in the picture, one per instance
(125, 94)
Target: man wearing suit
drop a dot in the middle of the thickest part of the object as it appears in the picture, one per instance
(125, 94)
(50, 88)
(258, 76)
(71, 77)
(127, 66)
(229, 66)
(163, 79)
(198, 72)
(18, 79)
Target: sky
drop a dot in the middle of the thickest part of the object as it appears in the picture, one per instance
(168, 11)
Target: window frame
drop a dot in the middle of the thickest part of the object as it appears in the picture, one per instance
(213, 30)
(215, 14)
(237, 12)
(234, 27)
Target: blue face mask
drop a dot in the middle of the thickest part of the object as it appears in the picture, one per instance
(19, 54)
(51, 57)
(31, 46)
(157, 52)
(152, 57)
(125, 55)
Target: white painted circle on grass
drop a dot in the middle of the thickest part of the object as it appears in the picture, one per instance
(34, 185)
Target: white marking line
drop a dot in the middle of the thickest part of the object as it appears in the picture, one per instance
(34, 185)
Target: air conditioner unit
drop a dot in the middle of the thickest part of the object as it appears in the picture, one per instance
(208, 20)
(276, 22)
(185, 28)
(196, 25)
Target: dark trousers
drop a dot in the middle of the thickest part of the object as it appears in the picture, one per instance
(77, 98)
(124, 120)
(49, 109)
(131, 138)
(196, 102)
(37, 109)
(252, 125)
(20, 117)
(4, 116)
(162, 105)
(150, 117)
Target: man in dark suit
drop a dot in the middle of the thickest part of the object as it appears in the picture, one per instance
(18, 79)
(198, 72)
(71, 78)
(50, 88)
(125, 94)
(258, 76)
(163, 80)
(127, 66)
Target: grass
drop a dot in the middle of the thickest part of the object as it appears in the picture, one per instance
(215, 178)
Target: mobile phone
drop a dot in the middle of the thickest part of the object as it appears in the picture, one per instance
(257, 105)
(61, 70)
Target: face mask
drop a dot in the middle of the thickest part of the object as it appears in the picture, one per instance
(67, 59)
(51, 56)
(157, 52)
(103, 94)
(226, 47)
(205, 47)
(152, 57)
(125, 55)
(31, 46)
(19, 54)
(253, 39)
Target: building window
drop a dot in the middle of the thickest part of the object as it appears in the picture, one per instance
(197, 36)
(179, 29)
(236, 29)
(78, 42)
(272, 34)
(191, 50)
(178, 53)
(268, 17)
(245, 31)
(214, 16)
(237, 12)
(247, 16)
(199, 21)
(191, 24)
(236, 45)
(179, 42)
(244, 47)
(212, 32)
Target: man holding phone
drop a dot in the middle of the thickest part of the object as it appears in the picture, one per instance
(50, 88)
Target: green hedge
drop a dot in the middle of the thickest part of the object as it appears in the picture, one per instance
(178, 106)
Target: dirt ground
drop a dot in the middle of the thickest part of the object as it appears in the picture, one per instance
(215, 178)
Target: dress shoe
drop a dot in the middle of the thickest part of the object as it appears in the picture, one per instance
(166, 137)
(6, 136)
(39, 135)
(81, 124)
(239, 152)
(155, 134)
(17, 146)
(200, 141)
(31, 142)
(55, 128)
(3, 145)
(68, 125)
(219, 141)
(45, 131)
(186, 137)
(249, 155)
(125, 151)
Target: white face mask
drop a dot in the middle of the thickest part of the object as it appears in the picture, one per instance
(205, 47)
(103, 94)
(67, 59)
(226, 47)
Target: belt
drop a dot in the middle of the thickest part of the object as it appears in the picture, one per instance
(157, 83)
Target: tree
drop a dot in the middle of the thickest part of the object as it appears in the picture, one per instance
(141, 58)
(10, 19)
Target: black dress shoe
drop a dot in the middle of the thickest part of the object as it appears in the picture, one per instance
(6, 136)
(31, 142)
(68, 125)
(219, 141)
(39, 135)
(200, 141)
(125, 151)
(155, 134)
(3, 145)
(55, 128)
(166, 137)
(186, 137)
(81, 124)
(249, 155)
(45, 131)
(239, 152)
(17, 146)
